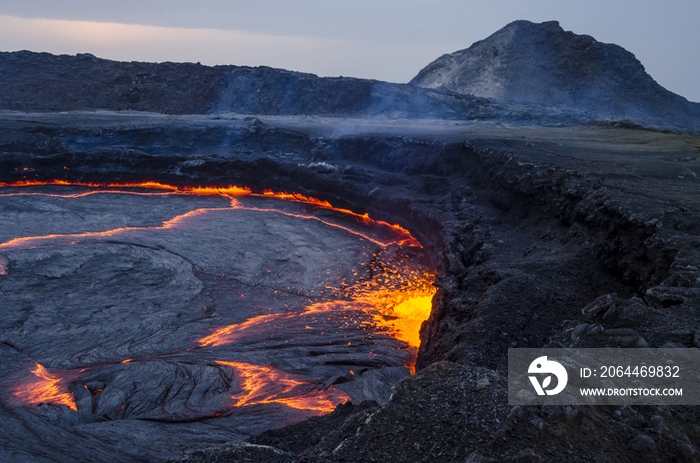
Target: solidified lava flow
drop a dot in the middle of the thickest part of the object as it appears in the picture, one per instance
(221, 298)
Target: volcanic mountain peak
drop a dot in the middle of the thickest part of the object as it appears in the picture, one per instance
(543, 64)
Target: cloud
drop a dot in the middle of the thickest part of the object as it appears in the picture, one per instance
(151, 43)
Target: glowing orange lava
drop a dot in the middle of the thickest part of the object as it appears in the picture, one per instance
(22, 183)
(394, 298)
(406, 238)
(396, 311)
(34, 241)
(232, 333)
(403, 236)
(411, 313)
(47, 389)
(264, 385)
(252, 326)
(403, 312)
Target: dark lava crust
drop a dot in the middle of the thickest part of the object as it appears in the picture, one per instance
(537, 233)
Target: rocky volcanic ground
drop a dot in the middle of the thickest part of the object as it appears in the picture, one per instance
(526, 226)
(543, 230)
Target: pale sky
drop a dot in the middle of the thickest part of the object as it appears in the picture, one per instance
(379, 39)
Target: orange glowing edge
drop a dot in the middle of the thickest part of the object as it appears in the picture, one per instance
(266, 385)
(47, 388)
(400, 312)
(231, 190)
